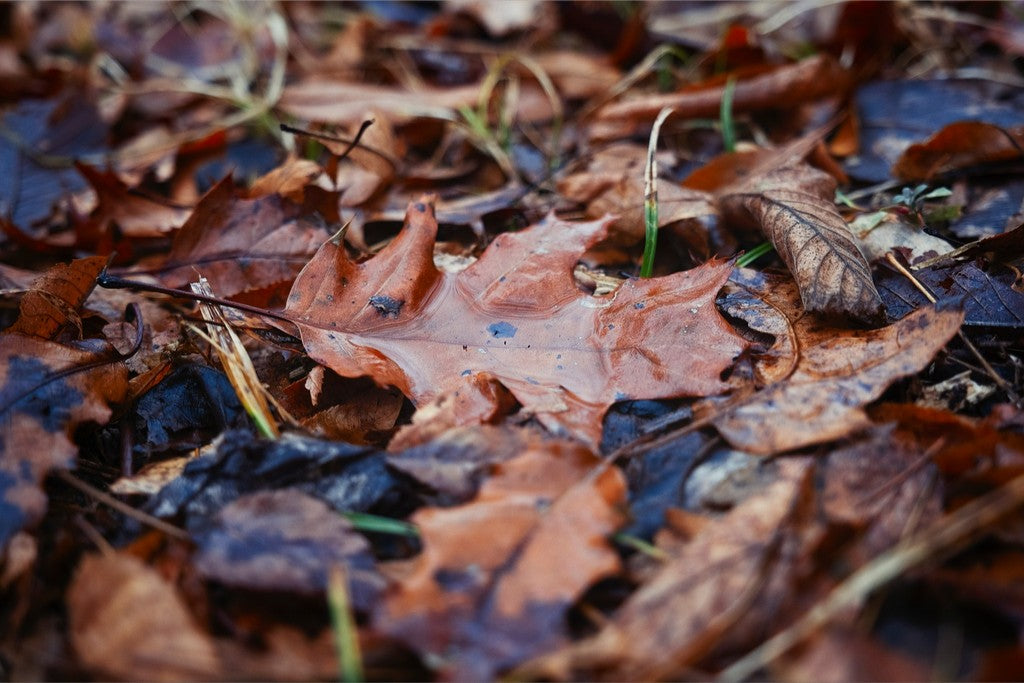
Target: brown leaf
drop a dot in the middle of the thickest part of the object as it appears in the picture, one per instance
(518, 315)
(794, 208)
(240, 244)
(332, 101)
(284, 540)
(52, 304)
(128, 623)
(787, 85)
(613, 183)
(957, 146)
(837, 371)
(42, 401)
(673, 618)
(134, 214)
(492, 584)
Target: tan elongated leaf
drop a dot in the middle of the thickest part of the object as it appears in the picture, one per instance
(836, 372)
(793, 206)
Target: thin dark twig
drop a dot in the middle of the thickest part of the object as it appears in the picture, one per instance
(108, 281)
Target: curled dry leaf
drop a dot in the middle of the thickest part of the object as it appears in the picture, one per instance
(674, 618)
(128, 623)
(132, 213)
(957, 146)
(493, 583)
(516, 314)
(837, 371)
(794, 208)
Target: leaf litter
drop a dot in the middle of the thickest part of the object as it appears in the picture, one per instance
(507, 448)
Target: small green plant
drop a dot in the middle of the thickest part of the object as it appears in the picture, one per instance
(911, 202)
(754, 254)
(346, 636)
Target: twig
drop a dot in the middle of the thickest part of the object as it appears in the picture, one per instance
(123, 508)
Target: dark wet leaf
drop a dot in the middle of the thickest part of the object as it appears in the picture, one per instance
(986, 300)
(346, 477)
(284, 540)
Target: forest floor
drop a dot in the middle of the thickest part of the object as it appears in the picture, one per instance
(521, 340)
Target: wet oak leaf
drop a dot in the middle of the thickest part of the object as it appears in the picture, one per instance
(240, 244)
(497, 575)
(128, 623)
(837, 372)
(794, 207)
(516, 314)
(41, 407)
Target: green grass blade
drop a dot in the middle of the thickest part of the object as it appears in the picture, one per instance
(364, 521)
(725, 116)
(346, 635)
(754, 254)
(651, 197)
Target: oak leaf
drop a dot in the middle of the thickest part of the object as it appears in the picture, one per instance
(518, 315)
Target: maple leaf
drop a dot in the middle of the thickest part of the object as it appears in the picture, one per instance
(517, 315)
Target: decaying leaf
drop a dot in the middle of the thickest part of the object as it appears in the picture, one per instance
(128, 623)
(283, 540)
(794, 208)
(53, 301)
(674, 618)
(493, 582)
(518, 315)
(48, 389)
(957, 146)
(837, 371)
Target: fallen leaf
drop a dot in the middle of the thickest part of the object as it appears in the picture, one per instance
(958, 146)
(491, 586)
(788, 85)
(837, 371)
(671, 620)
(283, 540)
(500, 19)
(333, 101)
(51, 305)
(613, 183)
(894, 113)
(131, 213)
(128, 623)
(986, 300)
(240, 244)
(794, 208)
(516, 314)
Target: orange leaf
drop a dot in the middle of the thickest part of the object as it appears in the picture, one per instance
(518, 315)
(959, 145)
